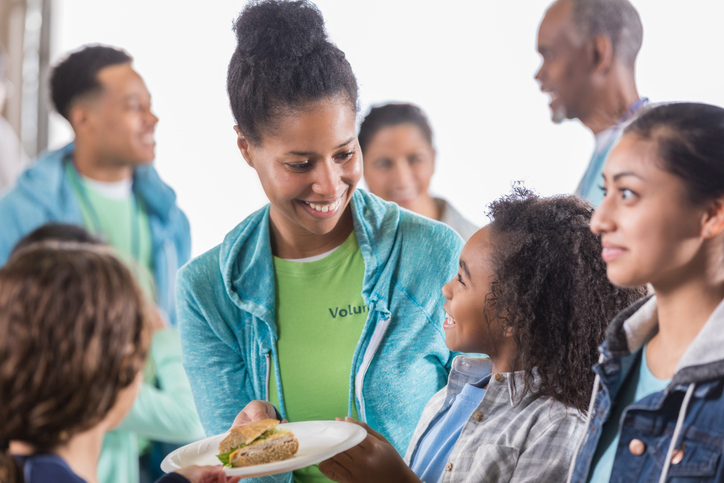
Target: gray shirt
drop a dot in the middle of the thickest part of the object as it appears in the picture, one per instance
(452, 218)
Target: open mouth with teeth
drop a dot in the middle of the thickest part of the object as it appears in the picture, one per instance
(327, 208)
(449, 322)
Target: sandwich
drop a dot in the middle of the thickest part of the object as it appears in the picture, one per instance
(256, 443)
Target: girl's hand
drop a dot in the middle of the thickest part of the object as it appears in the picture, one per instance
(373, 459)
(207, 474)
(255, 411)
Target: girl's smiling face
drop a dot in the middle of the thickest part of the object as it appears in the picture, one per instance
(650, 230)
(467, 328)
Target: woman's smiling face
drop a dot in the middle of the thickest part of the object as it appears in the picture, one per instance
(467, 328)
(308, 166)
(650, 230)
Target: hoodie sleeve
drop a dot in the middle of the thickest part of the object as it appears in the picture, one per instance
(166, 413)
(218, 374)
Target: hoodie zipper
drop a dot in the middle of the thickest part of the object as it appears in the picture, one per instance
(172, 266)
(268, 371)
(369, 354)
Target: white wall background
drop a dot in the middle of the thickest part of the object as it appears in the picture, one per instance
(469, 64)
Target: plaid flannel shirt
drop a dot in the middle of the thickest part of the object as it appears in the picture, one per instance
(532, 441)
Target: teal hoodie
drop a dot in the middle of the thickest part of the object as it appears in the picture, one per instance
(228, 331)
(44, 194)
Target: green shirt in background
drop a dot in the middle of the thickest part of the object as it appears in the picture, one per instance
(320, 314)
(122, 224)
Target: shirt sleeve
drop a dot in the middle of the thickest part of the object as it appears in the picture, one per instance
(165, 413)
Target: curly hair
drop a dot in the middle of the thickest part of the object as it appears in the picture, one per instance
(551, 291)
(283, 61)
(73, 334)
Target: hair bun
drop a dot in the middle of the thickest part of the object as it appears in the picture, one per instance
(277, 28)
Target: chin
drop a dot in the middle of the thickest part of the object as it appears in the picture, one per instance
(623, 279)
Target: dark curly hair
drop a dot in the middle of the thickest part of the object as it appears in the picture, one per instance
(551, 291)
(77, 75)
(73, 334)
(283, 61)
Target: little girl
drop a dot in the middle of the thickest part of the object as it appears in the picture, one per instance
(532, 293)
(73, 338)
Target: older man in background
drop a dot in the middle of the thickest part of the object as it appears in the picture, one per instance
(589, 50)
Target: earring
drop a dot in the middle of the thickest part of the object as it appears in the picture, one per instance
(707, 233)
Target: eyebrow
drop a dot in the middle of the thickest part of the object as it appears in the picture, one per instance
(464, 266)
(623, 174)
(131, 97)
(309, 153)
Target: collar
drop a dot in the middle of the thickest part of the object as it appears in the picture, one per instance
(701, 361)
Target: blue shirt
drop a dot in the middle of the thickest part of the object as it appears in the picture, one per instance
(437, 444)
(590, 187)
(641, 383)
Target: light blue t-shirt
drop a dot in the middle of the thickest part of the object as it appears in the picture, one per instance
(640, 384)
(439, 440)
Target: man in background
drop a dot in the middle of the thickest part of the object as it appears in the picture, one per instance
(104, 182)
(12, 157)
(589, 50)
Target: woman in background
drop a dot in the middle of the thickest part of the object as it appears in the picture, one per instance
(399, 161)
(657, 401)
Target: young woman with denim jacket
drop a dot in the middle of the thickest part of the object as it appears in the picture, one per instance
(655, 412)
(294, 98)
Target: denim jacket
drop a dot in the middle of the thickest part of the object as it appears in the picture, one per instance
(44, 194)
(228, 328)
(681, 427)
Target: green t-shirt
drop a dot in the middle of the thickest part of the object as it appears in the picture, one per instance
(320, 314)
(121, 223)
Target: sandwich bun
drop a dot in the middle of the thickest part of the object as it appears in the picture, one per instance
(258, 442)
(277, 447)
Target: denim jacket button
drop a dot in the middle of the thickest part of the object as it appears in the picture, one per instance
(637, 447)
(499, 377)
(677, 456)
(478, 416)
(448, 467)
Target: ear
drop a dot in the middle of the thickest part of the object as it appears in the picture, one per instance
(79, 117)
(713, 219)
(434, 159)
(244, 146)
(601, 54)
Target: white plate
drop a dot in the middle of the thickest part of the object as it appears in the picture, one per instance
(318, 441)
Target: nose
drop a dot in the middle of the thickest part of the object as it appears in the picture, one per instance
(402, 173)
(328, 179)
(601, 221)
(447, 290)
(151, 118)
(538, 77)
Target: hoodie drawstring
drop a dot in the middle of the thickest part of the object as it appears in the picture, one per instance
(589, 416)
(677, 431)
